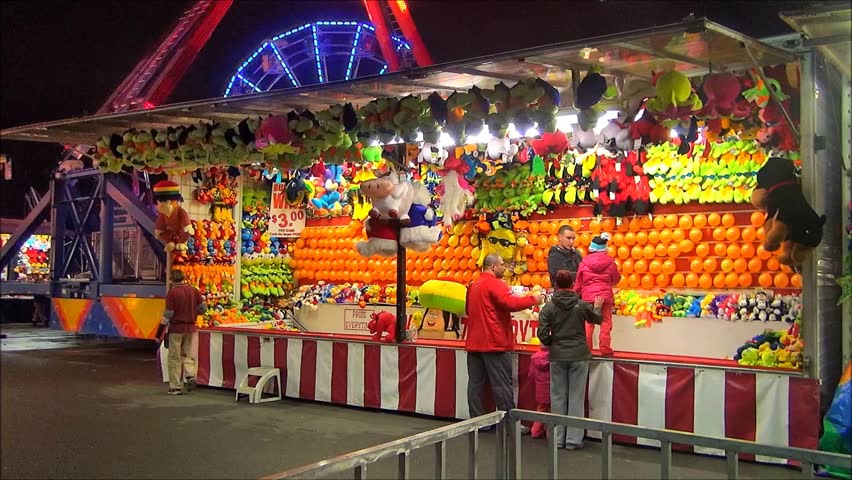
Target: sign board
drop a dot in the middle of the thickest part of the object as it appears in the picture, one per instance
(283, 220)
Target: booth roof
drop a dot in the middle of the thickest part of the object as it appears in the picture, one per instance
(693, 47)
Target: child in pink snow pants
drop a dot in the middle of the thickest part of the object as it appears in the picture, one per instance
(596, 277)
(540, 373)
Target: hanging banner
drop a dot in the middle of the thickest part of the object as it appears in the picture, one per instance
(283, 220)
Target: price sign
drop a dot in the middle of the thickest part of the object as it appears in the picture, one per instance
(283, 220)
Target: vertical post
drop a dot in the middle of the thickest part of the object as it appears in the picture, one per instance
(552, 457)
(360, 472)
(515, 451)
(404, 470)
(401, 297)
(441, 460)
(665, 459)
(500, 453)
(106, 233)
(733, 464)
(807, 470)
(473, 455)
(57, 235)
(606, 455)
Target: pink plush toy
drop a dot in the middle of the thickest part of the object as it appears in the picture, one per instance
(273, 130)
(722, 91)
(380, 323)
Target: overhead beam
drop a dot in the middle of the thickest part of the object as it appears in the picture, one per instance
(550, 62)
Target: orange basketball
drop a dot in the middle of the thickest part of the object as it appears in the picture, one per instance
(542, 265)
(719, 234)
(697, 265)
(659, 222)
(755, 265)
(728, 220)
(691, 280)
(636, 252)
(699, 221)
(674, 250)
(685, 246)
(623, 252)
(685, 222)
(740, 265)
(544, 241)
(733, 251)
(732, 234)
(648, 252)
(765, 280)
(653, 237)
(705, 280)
(622, 284)
(533, 227)
(640, 266)
(661, 249)
(772, 264)
(695, 235)
(702, 250)
(662, 280)
(678, 235)
(747, 250)
(796, 281)
(545, 280)
(678, 280)
(757, 219)
(610, 250)
(618, 239)
(647, 282)
(576, 224)
(761, 234)
(669, 267)
(749, 234)
(762, 253)
(608, 225)
(726, 265)
(635, 225)
(533, 239)
(595, 226)
(633, 280)
(719, 280)
(645, 222)
(744, 280)
(666, 236)
(671, 220)
(641, 238)
(627, 266)
(732, 280)
(720, 249)
(714, 219)
(526, 279)
(710, 265)
(655, 267)
(629, 238)
(532, 266)
(782, 280)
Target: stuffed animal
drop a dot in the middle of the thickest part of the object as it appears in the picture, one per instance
(391, 197)
(422, 232)
(434, 154)
(722, 97)
(790, 223)
(501, 149)
(383, 322)
(584, 138)
(173, 226)
(616, 135)
(382, 238)
(675, 99)
(454, 196)
(444, 295)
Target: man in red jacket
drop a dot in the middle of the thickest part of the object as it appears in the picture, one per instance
(489, 340)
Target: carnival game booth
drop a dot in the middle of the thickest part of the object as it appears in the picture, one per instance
(303, 215)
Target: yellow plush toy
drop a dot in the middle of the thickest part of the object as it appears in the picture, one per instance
(502, 240)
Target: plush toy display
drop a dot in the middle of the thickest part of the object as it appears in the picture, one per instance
(422, 231)
(173, 226)
(791, 223)
(382, 326)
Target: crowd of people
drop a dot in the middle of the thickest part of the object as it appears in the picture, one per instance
(582, 298)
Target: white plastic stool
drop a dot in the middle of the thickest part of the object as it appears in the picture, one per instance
(255, 393)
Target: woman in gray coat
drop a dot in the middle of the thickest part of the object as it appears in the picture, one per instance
(562, 327)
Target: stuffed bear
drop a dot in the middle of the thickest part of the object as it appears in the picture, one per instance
(383, 322)
(790, 223)
(173, 226)
(434, 154)
(421, 233)
(391, 197)
(382, 238)
(501, 149)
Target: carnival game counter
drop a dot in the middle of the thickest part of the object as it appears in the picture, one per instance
(429, 377)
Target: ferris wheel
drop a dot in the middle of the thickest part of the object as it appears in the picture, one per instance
(318, 52)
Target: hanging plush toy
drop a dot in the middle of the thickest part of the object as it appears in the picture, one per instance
(432, 154)
(455, 196)
(791, 223)
(391, 197)
(422, 232)
(675, 100)
(172, 226)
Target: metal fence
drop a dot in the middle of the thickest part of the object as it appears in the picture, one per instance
(508, 448)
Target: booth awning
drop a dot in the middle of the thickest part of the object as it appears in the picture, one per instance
(829, 29)
(694, 47)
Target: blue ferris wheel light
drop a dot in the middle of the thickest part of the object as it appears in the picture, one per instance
(317, 52)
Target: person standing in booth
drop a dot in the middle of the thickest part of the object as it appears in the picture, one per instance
(563, 255)
(490, 304)
(596, 277)
(561, 327)
(183, 304)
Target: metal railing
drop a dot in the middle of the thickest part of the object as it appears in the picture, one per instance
(508, 448)
(357, 461)
(732, 447)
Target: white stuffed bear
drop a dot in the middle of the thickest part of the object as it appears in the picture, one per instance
(501, 149)
(391, 197)
(432, 153)
(616, 133)
(422, 232)
(584, 138)
(454, 197)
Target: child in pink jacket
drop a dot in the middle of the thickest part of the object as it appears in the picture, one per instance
(540, 373)
(596, 277)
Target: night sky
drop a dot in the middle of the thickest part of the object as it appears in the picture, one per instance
(63, 59)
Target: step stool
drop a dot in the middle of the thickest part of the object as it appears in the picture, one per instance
(255, 393)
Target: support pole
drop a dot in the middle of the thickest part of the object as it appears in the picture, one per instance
(401, 297)
(106, 245)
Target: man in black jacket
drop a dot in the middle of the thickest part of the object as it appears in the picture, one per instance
(563, 256)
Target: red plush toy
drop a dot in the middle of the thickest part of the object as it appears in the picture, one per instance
(172, 226)
(383, 322)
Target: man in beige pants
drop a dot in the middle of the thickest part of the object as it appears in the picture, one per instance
(183, 304)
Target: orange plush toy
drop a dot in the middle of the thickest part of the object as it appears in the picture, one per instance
(791, 223)
(172, 226)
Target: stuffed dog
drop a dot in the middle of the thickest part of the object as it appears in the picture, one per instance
(791, 223)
